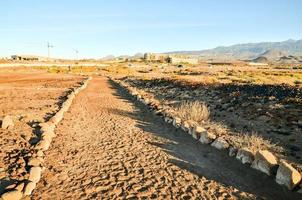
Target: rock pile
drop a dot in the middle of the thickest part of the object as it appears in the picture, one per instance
(35, 161)
(263, 160)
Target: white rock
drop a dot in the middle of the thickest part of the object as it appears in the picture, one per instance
(65, 107)
(265, 162)
(195, 136)
(40, 154)
(220, 144)
(71, 96)
(147, 101)
(47, 127)
(207, 137)
(35, 174)
(245, 156)
(168, 120)
(7, 122)
(29, 188)
(34, 162)
(176, 122)
(48, 136)
(185, 126)
(232, 151)
(191, 129)
(12, 195)
(20, 187)
(43, 145)
(197, 131)
(287, 175)
(58, 117)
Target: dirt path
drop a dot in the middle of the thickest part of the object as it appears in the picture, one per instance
(108, 147)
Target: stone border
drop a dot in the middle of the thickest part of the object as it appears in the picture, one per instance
(25, 188)
(263, 160)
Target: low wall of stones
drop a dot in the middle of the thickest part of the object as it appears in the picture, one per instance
(35, 161)
(264, 161)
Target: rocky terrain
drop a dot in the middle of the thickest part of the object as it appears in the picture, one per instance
(273, 112)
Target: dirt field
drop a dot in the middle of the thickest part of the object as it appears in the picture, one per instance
(113, 148)
(242, 100)
(29, 97)
(109, 146)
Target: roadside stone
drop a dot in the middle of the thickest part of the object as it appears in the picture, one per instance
(232, 151)
(220, 144)
(43, 145)
(168, 120)
(35, 174)
(71, 95)
(29, 188)
(7, 122)
(47, 127)
(207, 137)
(20, 187)
(245, 156)
(197, 131)
(40, 153)
(48, 136)
(185, 126)
(287, 175)
(12, 195)
(265, 162)
(34, 162)
(176, 122)
(191, 127)
(58, 117)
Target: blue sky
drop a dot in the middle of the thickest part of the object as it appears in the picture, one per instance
(101, 27)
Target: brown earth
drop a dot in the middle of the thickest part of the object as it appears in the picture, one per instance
(108, 147)
(271, 111)
(29, 98)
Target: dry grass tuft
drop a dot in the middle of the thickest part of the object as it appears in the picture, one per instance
(195, 111)
(254, 142)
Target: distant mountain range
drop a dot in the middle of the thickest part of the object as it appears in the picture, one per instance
(289, 51)
(112, 57)
(249, 51)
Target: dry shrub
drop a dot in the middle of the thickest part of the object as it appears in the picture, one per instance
(254, 142)
(195, 111)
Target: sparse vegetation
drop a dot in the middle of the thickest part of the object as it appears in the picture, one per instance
(195, 111)
(254, 142)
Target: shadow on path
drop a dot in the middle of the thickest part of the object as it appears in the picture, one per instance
(202, 160)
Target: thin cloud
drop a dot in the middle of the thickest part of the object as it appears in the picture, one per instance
(105, 28)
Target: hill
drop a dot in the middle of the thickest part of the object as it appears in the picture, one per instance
(249, 50)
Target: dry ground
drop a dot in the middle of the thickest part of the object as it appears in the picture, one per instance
(108, 147)
(29, 97)
(266, 101)
(272, 112)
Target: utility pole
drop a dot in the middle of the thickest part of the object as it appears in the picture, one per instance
(77, 54)
(48, 49)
